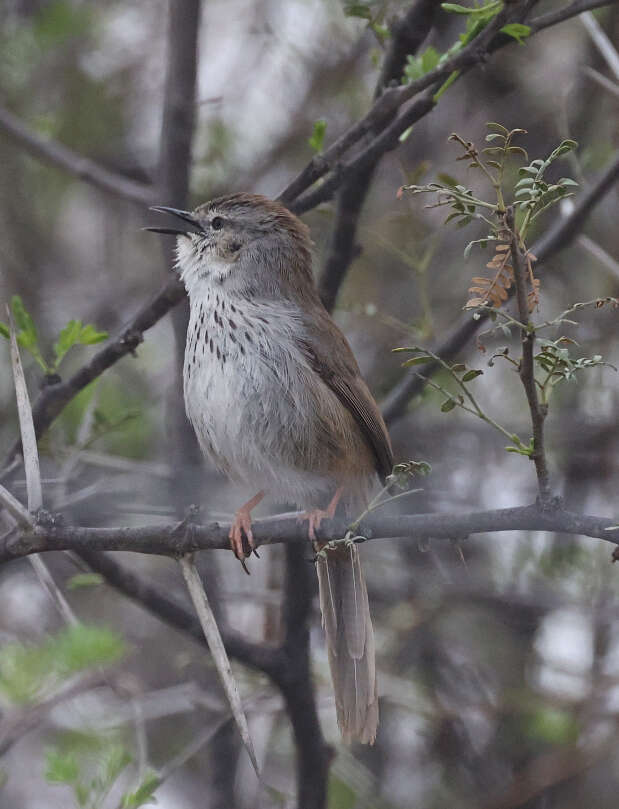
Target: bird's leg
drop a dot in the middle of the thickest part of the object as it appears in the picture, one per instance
(242, 524)
(317, 515)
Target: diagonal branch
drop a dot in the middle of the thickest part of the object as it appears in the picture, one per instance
(60, 156)
(407, 34)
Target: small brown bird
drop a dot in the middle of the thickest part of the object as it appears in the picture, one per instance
(277, 400)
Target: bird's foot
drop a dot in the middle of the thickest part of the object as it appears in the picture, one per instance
(317, 515)
(240, 535)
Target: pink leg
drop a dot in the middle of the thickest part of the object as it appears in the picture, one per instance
(317, 515)
(242, 523)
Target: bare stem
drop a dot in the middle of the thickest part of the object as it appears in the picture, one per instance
(527, 364)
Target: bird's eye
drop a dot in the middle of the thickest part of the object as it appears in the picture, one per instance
(217, 223)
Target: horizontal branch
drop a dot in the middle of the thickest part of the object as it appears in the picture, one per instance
(174, 539)
(60, 156)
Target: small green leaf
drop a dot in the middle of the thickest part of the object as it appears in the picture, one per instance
(318, 135)
(429, 59)
(4, 330)
(517, 30)
(143, 794)
(448, 405)
(84, 580)
(67, 338)
(472, 374)
(416, 361)
(89, 335)
(455, 8)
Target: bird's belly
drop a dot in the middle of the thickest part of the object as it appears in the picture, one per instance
(249, 420)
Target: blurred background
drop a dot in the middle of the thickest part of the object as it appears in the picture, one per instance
(498, 657)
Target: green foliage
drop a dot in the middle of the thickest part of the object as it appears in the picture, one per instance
(29, 672)
(318, 135)
(535, 195)
(373, 11)
(144, 794)
(557, 364)
(81, 580)
(418, 66)
(531, 193)
(74, 333)
(517, 31)
(551, 725)
(340, 795)
(92, 763)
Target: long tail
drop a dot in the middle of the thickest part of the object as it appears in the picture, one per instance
(350, 642)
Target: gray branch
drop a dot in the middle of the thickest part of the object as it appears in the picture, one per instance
(174, 539)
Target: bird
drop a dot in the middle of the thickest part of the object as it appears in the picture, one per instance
(277, 401)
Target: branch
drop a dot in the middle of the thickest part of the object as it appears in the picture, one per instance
(165, 539)
(566, 13)
(55, 154)
(527, 363)
(53, 399)
(557, 237)
(407, 34)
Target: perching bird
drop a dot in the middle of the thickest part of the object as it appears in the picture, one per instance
(277, 400)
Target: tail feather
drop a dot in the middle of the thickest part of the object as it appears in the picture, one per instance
(350, 643)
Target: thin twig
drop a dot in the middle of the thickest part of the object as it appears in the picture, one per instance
(33, 473)
(218, 651)
(527, 363)
(556, 238)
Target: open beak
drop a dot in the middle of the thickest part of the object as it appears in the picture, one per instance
(186, 216)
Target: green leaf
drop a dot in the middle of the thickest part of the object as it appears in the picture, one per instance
(429, 59)
(89, 335)
(318, 135)
(27, 335)
(84, 580)
(517, 30)
(472, 374)
(5, 331)
(60, 767)
(448, 405)
(81, 646)
(143, 794)
(416, 361)
(455, 8)
(67, 338)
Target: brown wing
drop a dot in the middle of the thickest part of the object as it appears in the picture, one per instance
(331, 357)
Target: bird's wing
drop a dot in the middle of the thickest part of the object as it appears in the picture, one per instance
(329, 355)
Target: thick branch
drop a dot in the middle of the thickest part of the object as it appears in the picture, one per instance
(167, 539)
(407, 34)
(527, 362)
(55, 154)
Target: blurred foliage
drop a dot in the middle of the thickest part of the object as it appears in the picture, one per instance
(30, 672)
